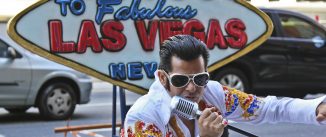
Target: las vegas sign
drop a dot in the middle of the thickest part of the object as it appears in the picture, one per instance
(118, 41)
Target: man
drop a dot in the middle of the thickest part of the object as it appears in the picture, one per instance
(183, 72)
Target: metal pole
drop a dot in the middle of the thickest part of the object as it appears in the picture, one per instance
(114, 109)
(123, 107)
(84, 127)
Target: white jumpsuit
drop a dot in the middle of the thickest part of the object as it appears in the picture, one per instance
(151, 114)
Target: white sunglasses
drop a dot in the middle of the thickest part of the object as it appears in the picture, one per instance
(182, 80)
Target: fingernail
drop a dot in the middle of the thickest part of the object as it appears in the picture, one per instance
(225, 122)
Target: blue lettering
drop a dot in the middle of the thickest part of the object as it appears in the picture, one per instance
(157, 9)
(134, 7)
(168, 11)
(144, 12)
(189, 13)
(77, 7)
(104, 7)
(150, 68)
(134, 71)
(63, 6)
(133, 12)
(177, 12)
(123, 13)
(117, 71)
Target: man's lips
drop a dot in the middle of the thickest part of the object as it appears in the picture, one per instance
(191, 98)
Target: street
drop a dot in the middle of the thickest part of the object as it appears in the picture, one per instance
(99, 111)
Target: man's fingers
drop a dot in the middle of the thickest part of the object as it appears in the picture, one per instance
(214, 109)
(212, 116)
(220, 126)
(218, 119)
(321, 117)
(206, 113)
(321, 112)
(211, 123)
(225, 122)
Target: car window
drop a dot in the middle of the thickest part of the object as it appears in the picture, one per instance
(274, 31)
(3, 49)
(298, 28)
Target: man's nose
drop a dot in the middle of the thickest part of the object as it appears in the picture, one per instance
(191, 87)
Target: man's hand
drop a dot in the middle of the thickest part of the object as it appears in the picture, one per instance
(321, 112)
(210, 124)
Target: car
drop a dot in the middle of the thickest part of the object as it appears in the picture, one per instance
(292, 62)
(28, 80)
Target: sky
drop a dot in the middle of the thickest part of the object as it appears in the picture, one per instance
(12, 7)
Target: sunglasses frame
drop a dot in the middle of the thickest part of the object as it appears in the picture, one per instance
(190, 78)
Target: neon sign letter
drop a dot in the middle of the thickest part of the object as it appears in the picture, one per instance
(133, 12)
(104, 7)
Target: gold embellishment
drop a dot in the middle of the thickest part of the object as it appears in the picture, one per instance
(142, 129)
(249, 103)
(175, 126)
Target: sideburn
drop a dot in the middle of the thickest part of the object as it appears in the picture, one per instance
(167, 85)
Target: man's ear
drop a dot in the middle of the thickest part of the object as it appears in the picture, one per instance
(162, 77)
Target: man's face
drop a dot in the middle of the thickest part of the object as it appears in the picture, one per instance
(190, 91)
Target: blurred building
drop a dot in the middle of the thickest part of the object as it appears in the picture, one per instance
(315, 9)
(13, 7)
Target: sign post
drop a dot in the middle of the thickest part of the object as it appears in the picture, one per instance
(118, 41)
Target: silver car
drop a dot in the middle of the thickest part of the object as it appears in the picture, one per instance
(28, 80)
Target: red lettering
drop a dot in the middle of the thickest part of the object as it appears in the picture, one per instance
(236, 29)
(169, 28)
(195, 28)
(116, 40)
(88, 38)
(147, 38)
(57, 44)
(215, 35)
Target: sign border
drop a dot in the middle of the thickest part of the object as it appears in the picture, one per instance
(11, 30)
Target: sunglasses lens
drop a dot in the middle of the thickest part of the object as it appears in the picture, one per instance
(179, 80)
(201, 79)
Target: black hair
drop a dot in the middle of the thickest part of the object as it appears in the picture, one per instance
(185, 47)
